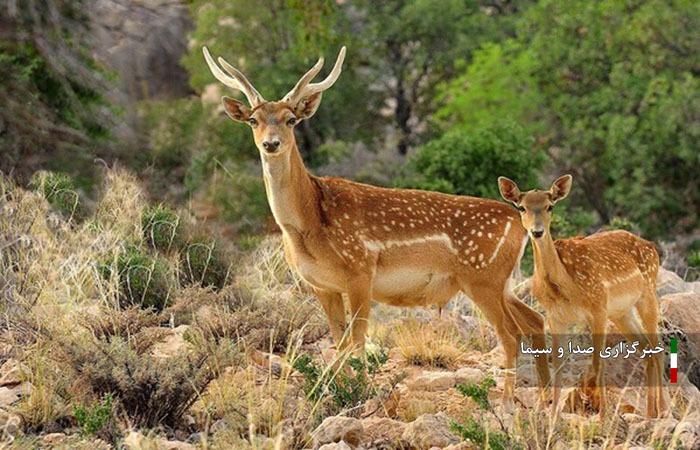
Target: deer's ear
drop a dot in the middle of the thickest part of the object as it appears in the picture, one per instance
(560, 188)
(307, 106)
(235, 109)
(509, 190)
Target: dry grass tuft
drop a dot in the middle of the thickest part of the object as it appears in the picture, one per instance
(436, 344)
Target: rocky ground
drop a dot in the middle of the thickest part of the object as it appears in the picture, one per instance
(425, 383)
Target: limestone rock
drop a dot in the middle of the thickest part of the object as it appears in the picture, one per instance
(10, 372)
(54, 439)
(143, 41)
(688, 432)
(668, 282)
(336, 429)
(11, 424)
(11, 394)
(342, 445)
(173, 344)
(429, 430)
(382, 432)
(681, 311)
(432, 381)
(469, 375)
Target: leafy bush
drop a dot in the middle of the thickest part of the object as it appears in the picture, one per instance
(142, 279)
(60, 191)
(621, 223)
(568, 222)
(92, 419)
(345, 389)
(160, 227)
(693, 260)
(473, 430)
(468, 162)
(201, 262)
(236, 189)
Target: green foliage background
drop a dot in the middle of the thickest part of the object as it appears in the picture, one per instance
(469, 90)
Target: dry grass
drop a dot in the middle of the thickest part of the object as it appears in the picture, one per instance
(63, 319)
(436, 343)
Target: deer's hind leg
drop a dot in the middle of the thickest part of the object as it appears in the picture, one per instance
(598, 324)
(489, 299)
(531, 324)
(648, 308)
(634, 327)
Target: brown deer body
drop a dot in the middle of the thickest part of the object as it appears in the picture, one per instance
(608, 275)
(399, 246)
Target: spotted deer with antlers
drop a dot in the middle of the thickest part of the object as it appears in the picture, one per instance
(398, 246)
(608, 275)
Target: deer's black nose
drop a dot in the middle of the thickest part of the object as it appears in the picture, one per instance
(272, 145)
(537, 234)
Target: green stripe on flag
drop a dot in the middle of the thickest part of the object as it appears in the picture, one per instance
(674, 345)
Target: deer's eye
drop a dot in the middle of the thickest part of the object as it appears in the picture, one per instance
(550, 208)
(291, 121)
(252, 122)
(520, 208)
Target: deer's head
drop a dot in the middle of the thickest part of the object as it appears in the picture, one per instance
(535, 206)
(273, 122)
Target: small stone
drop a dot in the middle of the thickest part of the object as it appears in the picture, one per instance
(432, 381)
(10, 395)
(688, 433)
(342, 445)
(173, 344)
(467, 375)
(10, 373)
(382, 430)
(10, 423)
(336, 429)
(429, 430)
(54, 438)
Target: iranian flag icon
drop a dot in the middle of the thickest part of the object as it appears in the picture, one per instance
(674, 361)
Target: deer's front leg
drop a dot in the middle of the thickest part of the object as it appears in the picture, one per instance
(359, 295)
(599, 329)
(557, 364)
(332, 303)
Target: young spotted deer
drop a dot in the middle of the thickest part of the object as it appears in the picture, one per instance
(608, 275)
(398, 246)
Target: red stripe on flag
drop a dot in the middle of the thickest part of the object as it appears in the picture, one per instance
(674, 376)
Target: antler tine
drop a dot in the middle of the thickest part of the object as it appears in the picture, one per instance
(238, 81)
(238, 75)
(304, 80)
(310, 89)
(330, 79)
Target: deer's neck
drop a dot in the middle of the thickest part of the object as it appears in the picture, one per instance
(548, 265)
(290, 191)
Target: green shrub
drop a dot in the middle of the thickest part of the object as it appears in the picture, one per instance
(693, 254)
(475, 431)
(142, 279)
(201, 262)
(92, 419)
(467, 162)
(160, 226)
(346, 390)
(60, 191)
(622, 223)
